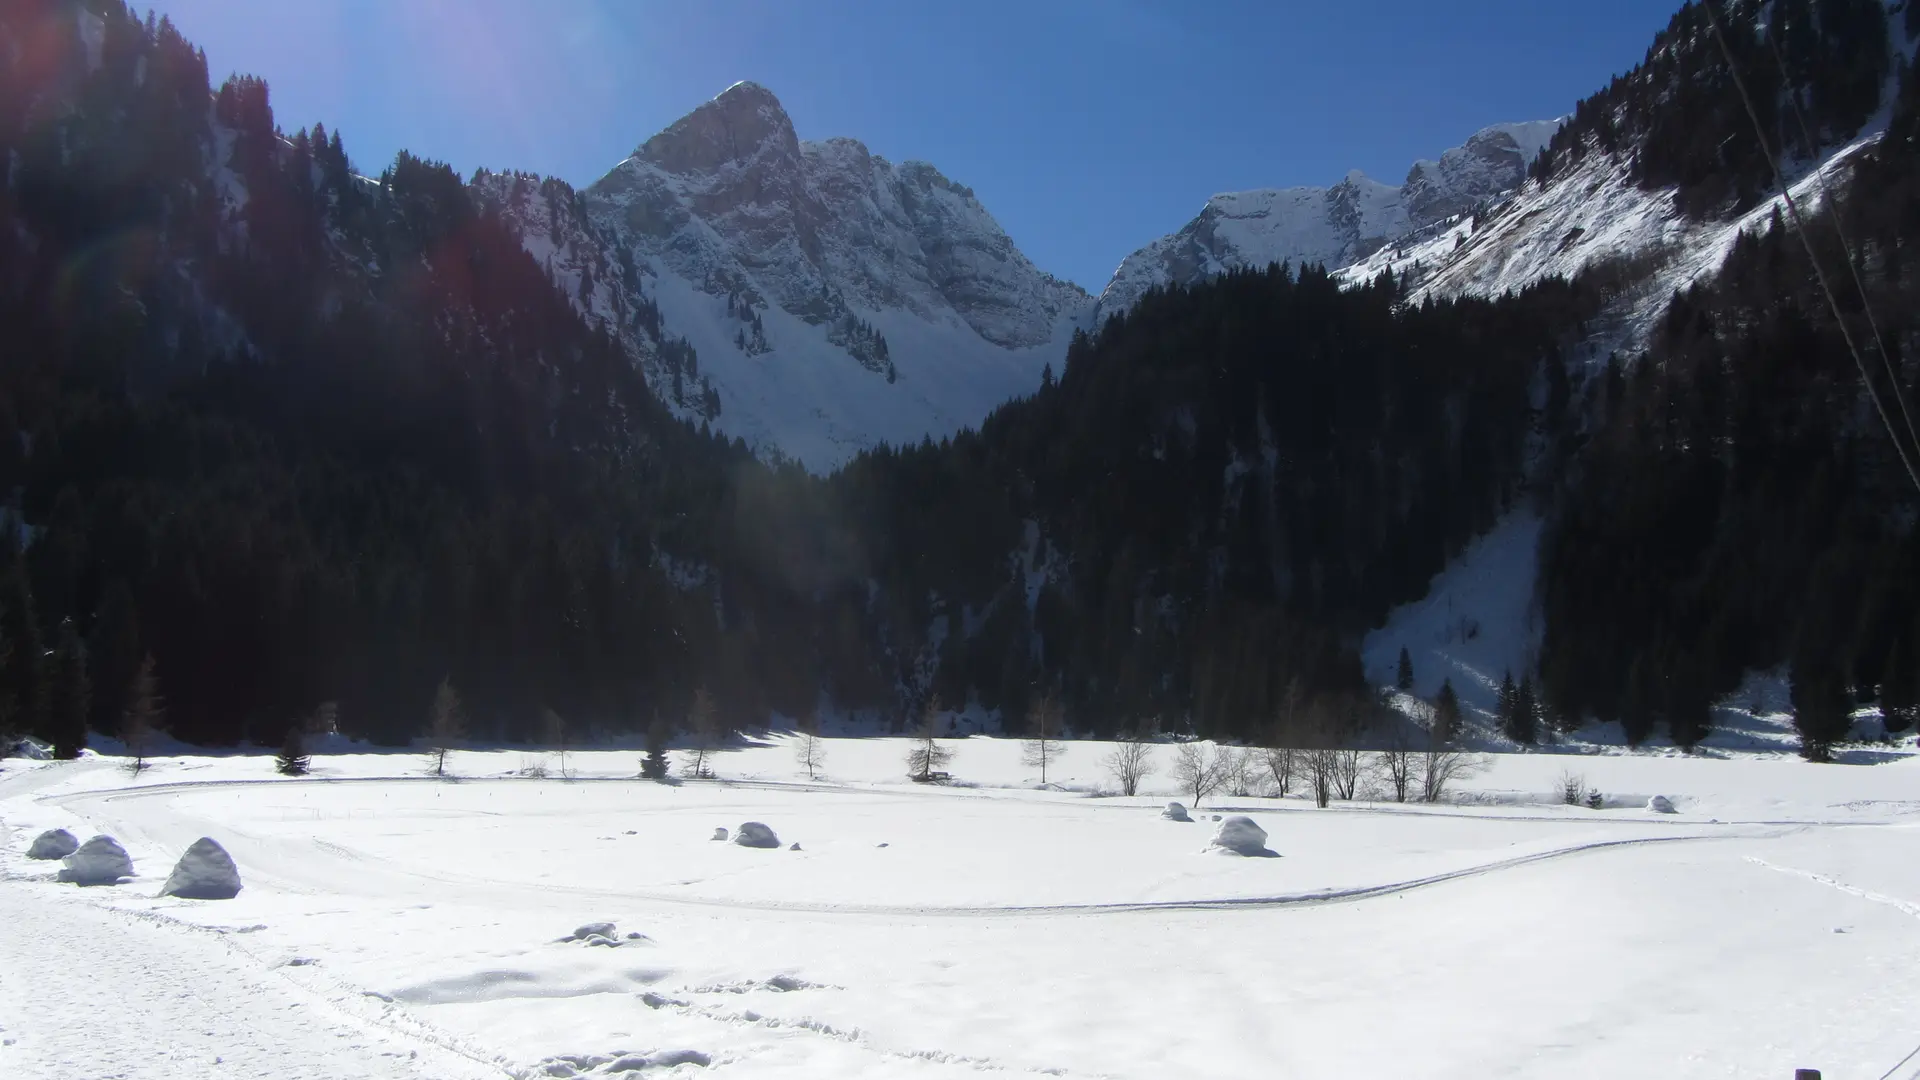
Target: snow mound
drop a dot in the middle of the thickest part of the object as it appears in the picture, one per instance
(1660, 804)
(1175, 812)
(591, 930)
(754, 834)
(53, 844)
(1240, 836)
(720, 833)
(99, 861)
(205, 872)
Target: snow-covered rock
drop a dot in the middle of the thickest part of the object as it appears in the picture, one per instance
(1175, 812)
(1335, 226)
(832, 299)
(53, 844)
(205, 872)
(1239, 835)
(754, 834)
(99, 861)
(720, 833)
(1660, 804)
(30, 748)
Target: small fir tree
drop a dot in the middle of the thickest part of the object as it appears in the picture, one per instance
(703, 719)
(72, 694)
(1900, 689)
(653, 765)
(1822, 710)
(1446, 713)
(446, 724)
(1404, 677)
(144, 712)
(1525, 725)
(1506, 704)
(293, 759)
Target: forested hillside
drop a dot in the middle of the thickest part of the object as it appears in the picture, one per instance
(317, 440)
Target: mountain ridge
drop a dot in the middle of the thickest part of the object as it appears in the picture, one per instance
(1334, 226)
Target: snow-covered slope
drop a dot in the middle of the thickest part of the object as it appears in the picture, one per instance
(1333, 226)
(1592, 215)
(832, 299)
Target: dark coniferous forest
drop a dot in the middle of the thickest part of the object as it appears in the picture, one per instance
(314, 437)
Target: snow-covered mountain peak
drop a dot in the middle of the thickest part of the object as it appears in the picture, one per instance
(1336, 226)
(812, 297)
(742, 122)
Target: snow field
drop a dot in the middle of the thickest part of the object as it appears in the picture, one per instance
(1773, 921)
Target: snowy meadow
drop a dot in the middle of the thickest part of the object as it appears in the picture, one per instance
(396, 924)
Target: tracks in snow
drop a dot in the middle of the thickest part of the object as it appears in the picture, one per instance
(300, 875)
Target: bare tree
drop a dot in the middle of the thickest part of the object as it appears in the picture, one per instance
(1319, 768)
(1043, 747)
(553, 729)
(1129, 762)
(144, 711)
(1441, 764)
(1198, 770)
(1239, 770)
(808, 750)
(1396, 766)
(1347, 770)
(927, 758)
(446, 724)
(703, 719)
(1283, 764)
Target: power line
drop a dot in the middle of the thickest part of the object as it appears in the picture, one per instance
(1840, 232)
(1799, 228)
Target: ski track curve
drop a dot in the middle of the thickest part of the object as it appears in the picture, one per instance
(296, 866)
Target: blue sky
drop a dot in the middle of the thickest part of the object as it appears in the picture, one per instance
(1088, 127)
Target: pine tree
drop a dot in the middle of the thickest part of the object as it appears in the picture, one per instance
(1506, 704)
(24, 673)
(1822, 710)
(1900, 689)
(703, 719)
(293, 759)
(1446, 713)
(1524, 727)
(446, 725)
(143, 715)
(1404, 679)
(653, 766)
(72, 694)
(113, 655)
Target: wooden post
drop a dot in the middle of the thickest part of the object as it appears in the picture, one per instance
(1806, 1074)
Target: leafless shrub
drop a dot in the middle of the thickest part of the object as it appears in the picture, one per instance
(1198, 770)
(1129, 762)
(927, 758)
(1283, 766)
(1042, 748)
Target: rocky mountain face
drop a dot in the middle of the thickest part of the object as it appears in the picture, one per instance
(811, 298)
(1335, 226)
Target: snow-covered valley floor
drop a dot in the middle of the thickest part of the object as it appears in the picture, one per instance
(396, 925)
